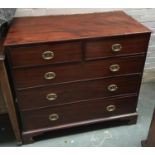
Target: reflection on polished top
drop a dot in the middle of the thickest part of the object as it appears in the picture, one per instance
(71, 27)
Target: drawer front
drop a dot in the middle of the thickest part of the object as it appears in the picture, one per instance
(118, 46)
(77, 113)
(72, 92)
(45, 75)
(46, 54)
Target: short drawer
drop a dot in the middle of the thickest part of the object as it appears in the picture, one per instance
(116, 46)
(35, 76)
(45, 54)
(73, 114)
(76, 91)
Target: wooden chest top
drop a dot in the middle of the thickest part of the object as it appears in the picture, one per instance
(29, 30)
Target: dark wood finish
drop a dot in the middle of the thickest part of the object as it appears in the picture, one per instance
(71, 27)
(30, 77)
(1, 49)
(28, 136)
(73, 92)
(32, 55)
(150, 142)
(88, 110)
(3, 108)
(2, 103)
(82, 46)
(9, 102)
(133, 44)
(7, 96)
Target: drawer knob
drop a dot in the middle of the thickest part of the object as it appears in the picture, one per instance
(48, 55)
(53, 117)
(114, 68)
(51, 96)
(116, 47)
(49, 75)
(112, 87)
(111, 108)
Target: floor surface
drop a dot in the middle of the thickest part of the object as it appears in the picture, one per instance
(118, 136)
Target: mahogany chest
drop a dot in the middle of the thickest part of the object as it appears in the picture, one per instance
(73, 70)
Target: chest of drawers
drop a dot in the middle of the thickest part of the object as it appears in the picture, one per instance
(75, 70)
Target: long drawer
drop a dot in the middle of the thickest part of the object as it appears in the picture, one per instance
(34, 55)
(116, 46)
(76, 91)
(72, 114)
(52, 74)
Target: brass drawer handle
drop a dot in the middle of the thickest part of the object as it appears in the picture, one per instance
(53, 117)
(111, 108)
(48, 55)
(116, 47)
(114, 68)
(51, 96)
(49, 75)
(112, 87)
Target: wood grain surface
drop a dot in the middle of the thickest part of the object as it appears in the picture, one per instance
(71, 27)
